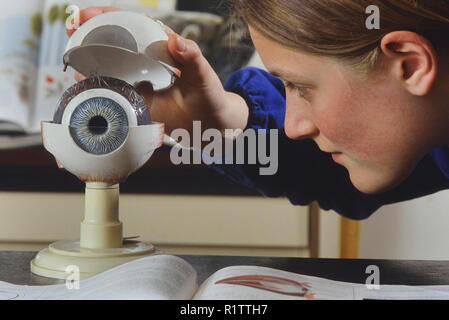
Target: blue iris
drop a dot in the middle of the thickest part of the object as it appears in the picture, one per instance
(99, 125)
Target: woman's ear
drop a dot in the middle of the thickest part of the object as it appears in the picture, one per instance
(413, 58)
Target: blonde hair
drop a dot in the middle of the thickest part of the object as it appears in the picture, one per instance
(337, 28)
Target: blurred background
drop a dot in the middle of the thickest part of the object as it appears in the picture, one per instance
(180, 209)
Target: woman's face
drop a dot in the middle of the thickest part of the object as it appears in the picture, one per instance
(372, 125)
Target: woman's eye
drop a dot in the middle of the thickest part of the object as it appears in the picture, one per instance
(302, 91)
(99, 125)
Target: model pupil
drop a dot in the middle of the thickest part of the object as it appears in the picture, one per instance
(98, 125)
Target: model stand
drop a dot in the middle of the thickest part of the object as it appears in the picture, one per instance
(101, 245)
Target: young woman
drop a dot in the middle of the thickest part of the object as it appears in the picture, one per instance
(363, 114)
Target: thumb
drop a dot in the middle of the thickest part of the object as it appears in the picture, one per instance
(196, 70)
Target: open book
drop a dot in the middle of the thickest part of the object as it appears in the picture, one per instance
(168, 277)
(32, 44)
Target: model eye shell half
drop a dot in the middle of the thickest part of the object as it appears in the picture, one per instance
(101, 112)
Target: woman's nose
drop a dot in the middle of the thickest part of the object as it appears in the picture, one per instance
(297, 125)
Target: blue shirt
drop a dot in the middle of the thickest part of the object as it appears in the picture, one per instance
(305, 173)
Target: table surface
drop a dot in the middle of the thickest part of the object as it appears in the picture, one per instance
(15, 268)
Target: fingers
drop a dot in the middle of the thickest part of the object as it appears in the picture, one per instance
(183, 51)
(79, 77)
(168, 31)
(194, 66)
(89, 13)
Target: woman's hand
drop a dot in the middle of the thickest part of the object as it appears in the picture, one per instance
(197, 96)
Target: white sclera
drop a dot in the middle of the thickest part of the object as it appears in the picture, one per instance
(112, 167)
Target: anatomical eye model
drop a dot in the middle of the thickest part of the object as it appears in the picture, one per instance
(99, 112)
(102, 132)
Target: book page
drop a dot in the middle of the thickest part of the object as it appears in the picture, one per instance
(154, 8)
(52, 81)
(20, 32)
(261, 283)
(158, 277)
(397, 292)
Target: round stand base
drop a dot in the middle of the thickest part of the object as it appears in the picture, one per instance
(54, 261)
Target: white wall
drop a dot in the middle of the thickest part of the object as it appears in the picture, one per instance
(329, 235)
(178, 224)
(416, 229)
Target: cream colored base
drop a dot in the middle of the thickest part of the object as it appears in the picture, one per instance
(54, 261)
(101, 246)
